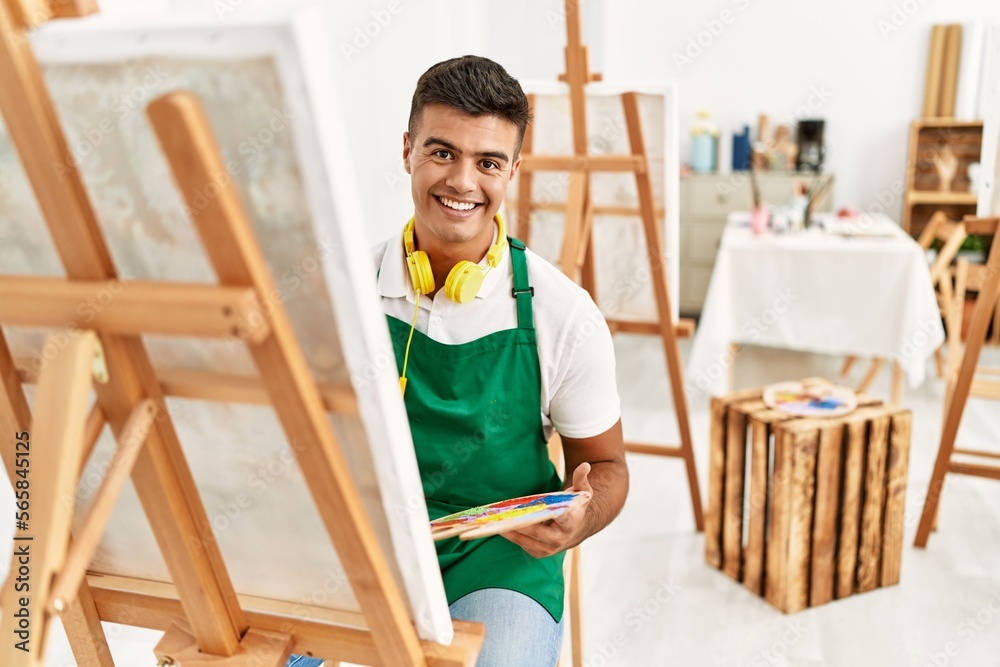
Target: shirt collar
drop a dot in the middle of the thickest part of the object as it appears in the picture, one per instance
(394, 278)
(497, 274)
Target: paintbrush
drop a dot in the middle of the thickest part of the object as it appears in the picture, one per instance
(754, 186)
(816, 195)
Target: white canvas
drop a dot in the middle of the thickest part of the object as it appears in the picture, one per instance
(270, 96)
(970, 70)
(623, 279)
(989, 193)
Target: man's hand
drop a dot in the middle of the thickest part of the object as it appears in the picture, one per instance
(562, 533)
(598, 465)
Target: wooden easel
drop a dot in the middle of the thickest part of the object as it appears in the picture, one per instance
(204, 620)
(966, 384)
(577, 255)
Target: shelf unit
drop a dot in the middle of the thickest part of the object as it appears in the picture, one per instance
(957, 198)
(922, 197)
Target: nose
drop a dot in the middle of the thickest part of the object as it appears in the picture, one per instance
(462, 176)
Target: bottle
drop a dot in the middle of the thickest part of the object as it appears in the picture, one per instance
(741, 150)
(704, 136)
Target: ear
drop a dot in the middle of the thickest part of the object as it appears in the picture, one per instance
(514, 167)
(406, 151)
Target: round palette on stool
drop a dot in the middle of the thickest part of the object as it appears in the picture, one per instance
(817, 400)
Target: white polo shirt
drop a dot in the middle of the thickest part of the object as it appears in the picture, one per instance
(575, 352)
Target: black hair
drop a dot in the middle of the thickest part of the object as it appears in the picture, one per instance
(473, 85)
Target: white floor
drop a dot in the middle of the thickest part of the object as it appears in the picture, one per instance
(651, 553)
(650, 600)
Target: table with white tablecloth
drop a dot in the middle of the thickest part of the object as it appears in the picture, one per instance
(859, 288)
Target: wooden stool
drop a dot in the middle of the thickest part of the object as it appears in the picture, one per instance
(823, 504)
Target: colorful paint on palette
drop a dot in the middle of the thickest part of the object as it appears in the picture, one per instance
(507, 514)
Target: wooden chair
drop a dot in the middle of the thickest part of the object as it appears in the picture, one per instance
(975, 275)
(951, 234)
(969, 277)
(965, 377)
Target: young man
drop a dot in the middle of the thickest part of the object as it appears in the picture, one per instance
(498, 349)
(492, 367)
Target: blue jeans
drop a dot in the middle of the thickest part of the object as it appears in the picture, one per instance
(519, 631)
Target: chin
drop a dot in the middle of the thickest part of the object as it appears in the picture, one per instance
(459, 229)
(457, 235)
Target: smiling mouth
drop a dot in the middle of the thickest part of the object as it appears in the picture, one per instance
(457, 205)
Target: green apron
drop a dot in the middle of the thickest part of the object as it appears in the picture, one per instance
(474, 414)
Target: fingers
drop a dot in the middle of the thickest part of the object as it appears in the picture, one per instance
(551, 537)
(549, 532)
(573, 518)
(532, 545)
(559, 534)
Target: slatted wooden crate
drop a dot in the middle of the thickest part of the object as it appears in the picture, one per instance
(804, 511)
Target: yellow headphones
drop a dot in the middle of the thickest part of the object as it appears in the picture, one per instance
(461, 286)
(464, 279)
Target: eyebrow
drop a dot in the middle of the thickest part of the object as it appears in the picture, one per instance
(499, 155)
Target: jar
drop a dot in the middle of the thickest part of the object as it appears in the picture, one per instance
(704, 144)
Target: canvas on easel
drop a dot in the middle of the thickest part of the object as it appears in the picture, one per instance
(621, 269)
(226, 527)
(988, 200)
(610, 171)
(617, 164)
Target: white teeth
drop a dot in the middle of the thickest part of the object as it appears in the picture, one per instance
(457, 205)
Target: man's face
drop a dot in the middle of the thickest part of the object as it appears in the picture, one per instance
(460, 167)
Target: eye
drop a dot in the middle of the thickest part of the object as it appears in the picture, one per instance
(490, 164)
(442, 153)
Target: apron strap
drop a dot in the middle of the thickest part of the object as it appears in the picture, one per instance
(521, 290)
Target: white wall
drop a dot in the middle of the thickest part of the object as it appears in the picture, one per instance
(865, 78)
(774, 55)
(376, 83)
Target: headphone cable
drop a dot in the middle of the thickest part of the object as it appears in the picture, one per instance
(406, 355)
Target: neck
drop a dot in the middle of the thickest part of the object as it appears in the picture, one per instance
(443, 259)
(443, 256)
